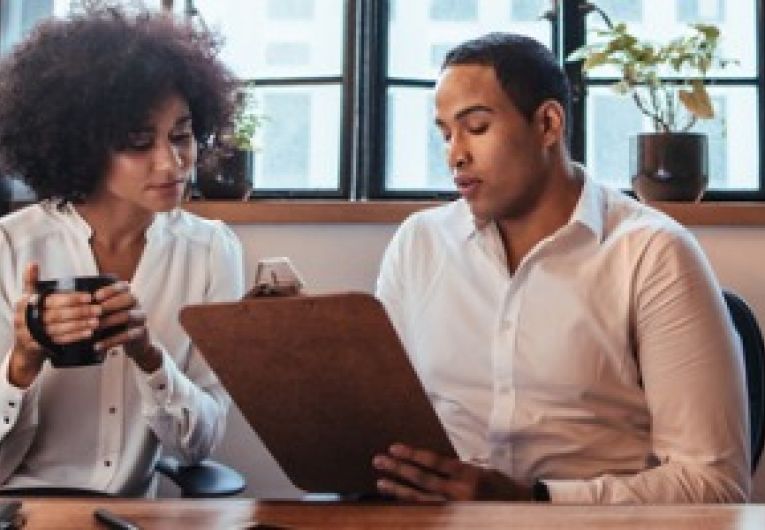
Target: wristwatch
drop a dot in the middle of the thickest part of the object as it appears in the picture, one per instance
(540, 492)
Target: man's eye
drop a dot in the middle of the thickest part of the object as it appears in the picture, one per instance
(478, 129)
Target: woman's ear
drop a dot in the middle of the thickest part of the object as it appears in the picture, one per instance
(551, 120)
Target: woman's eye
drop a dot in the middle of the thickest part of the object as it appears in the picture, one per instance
(139, 141)
(181, 138)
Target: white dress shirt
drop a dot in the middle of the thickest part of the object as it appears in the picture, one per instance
(606, 365)
(101, 427)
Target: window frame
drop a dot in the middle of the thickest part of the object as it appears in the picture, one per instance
(568, 27)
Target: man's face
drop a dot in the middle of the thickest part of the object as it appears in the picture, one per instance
(496, 155)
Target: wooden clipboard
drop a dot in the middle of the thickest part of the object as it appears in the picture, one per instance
(323, 380)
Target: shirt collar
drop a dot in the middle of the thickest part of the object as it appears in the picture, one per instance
(69, 215)
(588, 212)
(590, 208)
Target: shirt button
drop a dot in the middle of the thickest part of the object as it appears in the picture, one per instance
(7, 419)
(114, 352)
(11, 403)
(107, 463)
(112, 410)
(161, 386)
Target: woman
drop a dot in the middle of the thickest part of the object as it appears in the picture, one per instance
(101, 115)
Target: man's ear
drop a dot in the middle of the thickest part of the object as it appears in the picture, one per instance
(551, 122)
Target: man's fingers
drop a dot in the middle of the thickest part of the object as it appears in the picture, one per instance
(421, 478)
(406, 493)
(426, 459)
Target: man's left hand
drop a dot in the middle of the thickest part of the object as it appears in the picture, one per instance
(424, 476)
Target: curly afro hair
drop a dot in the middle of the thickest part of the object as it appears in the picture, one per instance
(72, 92)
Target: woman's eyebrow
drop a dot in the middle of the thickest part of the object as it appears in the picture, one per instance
(183, 120)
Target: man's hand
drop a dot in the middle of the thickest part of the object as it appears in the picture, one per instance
(421, 475)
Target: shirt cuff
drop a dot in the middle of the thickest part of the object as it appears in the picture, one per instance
(163, 388)
(12, 398)
(572, 491)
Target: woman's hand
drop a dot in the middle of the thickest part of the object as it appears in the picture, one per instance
(424, 476)
(121, 308)
(68, 317)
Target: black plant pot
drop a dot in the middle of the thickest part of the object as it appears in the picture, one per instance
(669, 166)
(225, 175)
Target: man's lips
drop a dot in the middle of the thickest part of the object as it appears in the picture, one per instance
(467, 185)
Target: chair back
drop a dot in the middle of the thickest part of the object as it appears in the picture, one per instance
(754, 360)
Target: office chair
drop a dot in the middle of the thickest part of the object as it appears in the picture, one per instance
(203, 480)
(754, 360)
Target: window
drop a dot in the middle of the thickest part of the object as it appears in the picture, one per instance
(733, 135)
(346, 86)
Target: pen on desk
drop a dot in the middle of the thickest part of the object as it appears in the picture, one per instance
(10, 517)
(8, 510)
(112, 521)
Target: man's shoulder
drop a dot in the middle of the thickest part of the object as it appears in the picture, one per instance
(628, 217)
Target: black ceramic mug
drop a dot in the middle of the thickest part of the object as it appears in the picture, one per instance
(82, 352)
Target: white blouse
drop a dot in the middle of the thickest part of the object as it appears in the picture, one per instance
(101, 427)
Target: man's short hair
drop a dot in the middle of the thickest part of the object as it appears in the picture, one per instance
(526, 69)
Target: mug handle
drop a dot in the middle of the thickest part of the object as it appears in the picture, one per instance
(34, 321)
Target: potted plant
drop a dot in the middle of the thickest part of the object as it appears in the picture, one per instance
(225, 165)
(667, 84)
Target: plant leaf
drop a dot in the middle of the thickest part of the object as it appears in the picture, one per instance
(594, 60)
(697, 100)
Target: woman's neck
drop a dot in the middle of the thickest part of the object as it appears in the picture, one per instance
(116, 226)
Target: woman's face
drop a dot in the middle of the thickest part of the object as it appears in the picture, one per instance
(152, 170)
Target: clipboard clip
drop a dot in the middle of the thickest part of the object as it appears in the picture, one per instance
(276, 277)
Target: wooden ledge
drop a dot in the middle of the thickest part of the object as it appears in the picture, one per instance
(393, 212)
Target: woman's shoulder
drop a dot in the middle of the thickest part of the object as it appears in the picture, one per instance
(195, 229)
(29, 222)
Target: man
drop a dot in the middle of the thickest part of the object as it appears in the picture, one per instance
(574, 342)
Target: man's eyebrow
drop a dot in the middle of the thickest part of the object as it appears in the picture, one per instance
(464, 112)
(474, 108)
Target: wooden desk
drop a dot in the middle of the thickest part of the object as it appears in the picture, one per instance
(64, 514)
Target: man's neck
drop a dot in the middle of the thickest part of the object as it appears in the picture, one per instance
(553, 211)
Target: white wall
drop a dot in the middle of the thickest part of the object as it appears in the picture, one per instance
(346, 257)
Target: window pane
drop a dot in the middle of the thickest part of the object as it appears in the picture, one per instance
(421, 33)
(415, 155)
(279, 38)
(662, 20)
(453, 10)
(732, 135)
(300, 138)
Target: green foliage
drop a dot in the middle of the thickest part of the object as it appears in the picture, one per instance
(246, 121)
(641, 63)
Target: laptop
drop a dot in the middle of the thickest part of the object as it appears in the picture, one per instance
(324, 380)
